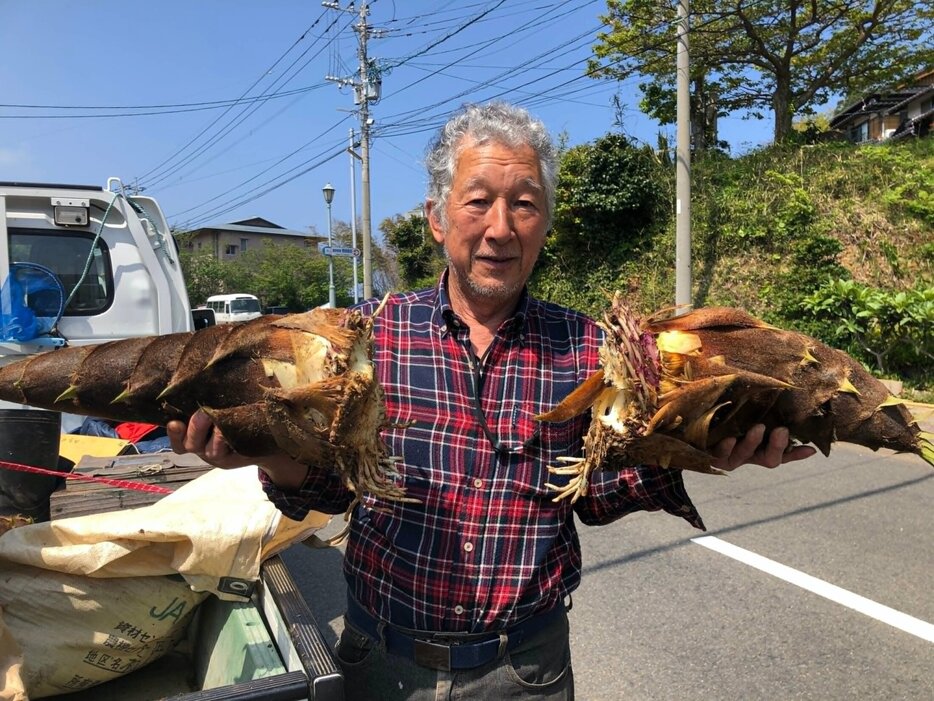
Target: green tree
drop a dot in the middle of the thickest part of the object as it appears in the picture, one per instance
(785, 57)
(382, 264)
(206, 276)
(288, 275)
(608, 194)
(612, 206)
(418, 257)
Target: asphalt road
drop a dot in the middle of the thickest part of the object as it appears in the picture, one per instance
(661, 616)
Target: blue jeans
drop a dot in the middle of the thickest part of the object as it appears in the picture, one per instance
(539, 668)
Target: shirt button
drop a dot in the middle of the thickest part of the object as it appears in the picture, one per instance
(478, 484)
(468, 547)
(458, 609)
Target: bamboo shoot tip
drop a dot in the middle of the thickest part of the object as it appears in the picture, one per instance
(69, 393)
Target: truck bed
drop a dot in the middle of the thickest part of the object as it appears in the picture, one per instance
(267, 649)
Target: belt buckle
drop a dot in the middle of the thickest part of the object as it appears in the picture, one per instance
(432, 655)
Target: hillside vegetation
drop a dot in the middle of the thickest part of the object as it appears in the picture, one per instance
(834, 240)
(782, 218)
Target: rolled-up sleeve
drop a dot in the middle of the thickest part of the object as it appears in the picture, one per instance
(614, 494)
(323, 490)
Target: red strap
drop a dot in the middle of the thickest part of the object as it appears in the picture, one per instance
(123, 484)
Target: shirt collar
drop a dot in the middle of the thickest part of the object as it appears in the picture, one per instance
(448, 322)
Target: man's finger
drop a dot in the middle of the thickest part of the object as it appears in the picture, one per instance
(772, 455)
(216, 448)
(724, 448)
(176, 432)
(746, 449)
(799, 452)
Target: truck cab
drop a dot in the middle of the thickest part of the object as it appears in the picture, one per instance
(93, 264)
(113, 254)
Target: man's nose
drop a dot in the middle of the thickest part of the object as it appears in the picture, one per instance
(499, 219)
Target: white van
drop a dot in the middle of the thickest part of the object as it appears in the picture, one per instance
(234, 307)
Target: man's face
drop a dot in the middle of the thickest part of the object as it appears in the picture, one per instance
(496, 222)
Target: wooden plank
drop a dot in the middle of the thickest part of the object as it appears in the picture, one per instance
(79, 497)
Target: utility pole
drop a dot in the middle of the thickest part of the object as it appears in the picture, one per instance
(683, 164)
(366, 89)
(353, 216)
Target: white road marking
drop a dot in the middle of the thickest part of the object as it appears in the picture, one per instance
(902, 621)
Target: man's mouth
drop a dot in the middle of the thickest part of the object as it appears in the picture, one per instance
(494, 259)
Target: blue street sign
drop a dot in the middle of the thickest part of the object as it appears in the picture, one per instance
(345, 251)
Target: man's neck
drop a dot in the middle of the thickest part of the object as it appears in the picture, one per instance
(482, 315)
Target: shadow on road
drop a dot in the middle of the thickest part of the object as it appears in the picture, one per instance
(631, 557)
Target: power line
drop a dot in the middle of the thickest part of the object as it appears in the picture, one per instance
(552, 93)
(490, 82)
(158, 170)
(266, 170)
(238, 203)
(214, 104)
(529, 27)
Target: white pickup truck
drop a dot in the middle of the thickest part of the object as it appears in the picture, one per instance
(113, 272)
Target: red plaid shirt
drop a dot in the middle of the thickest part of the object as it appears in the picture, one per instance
(487, 546)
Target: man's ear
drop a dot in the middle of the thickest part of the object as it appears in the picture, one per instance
(434, 221)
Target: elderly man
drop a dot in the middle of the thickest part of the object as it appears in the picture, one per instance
(461, 595)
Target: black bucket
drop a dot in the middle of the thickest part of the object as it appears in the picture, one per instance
(28, 437)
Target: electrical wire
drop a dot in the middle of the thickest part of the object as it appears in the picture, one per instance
(273, 184)
(169, 108)
(205, 215)
(160, 172)
(537, 90)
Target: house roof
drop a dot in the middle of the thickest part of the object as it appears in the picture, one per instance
(257, 225)
(888, 102)
(268, 230)
(258, 221)
(923, 92)
(879, 103)
(910, 126)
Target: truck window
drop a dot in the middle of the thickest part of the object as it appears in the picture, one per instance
(66, 253)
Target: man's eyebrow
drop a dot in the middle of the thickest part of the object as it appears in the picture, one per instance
(533, 183)
(479, 181)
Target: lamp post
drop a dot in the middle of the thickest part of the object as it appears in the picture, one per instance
(328, 191)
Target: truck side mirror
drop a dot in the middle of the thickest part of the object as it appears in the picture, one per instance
(203, 318)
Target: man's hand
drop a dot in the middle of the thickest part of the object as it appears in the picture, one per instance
(201, 437)
(730, 453)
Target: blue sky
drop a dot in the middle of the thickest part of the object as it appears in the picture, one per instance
(93, 68)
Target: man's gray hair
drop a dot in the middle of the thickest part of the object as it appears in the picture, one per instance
(493, 122)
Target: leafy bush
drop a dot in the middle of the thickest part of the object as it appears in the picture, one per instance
(609, 193)
(892, 331)
(910, 189)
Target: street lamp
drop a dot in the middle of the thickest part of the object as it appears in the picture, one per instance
(328, 191)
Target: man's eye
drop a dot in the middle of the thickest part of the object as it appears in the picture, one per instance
(477, 202)
(526, 204)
